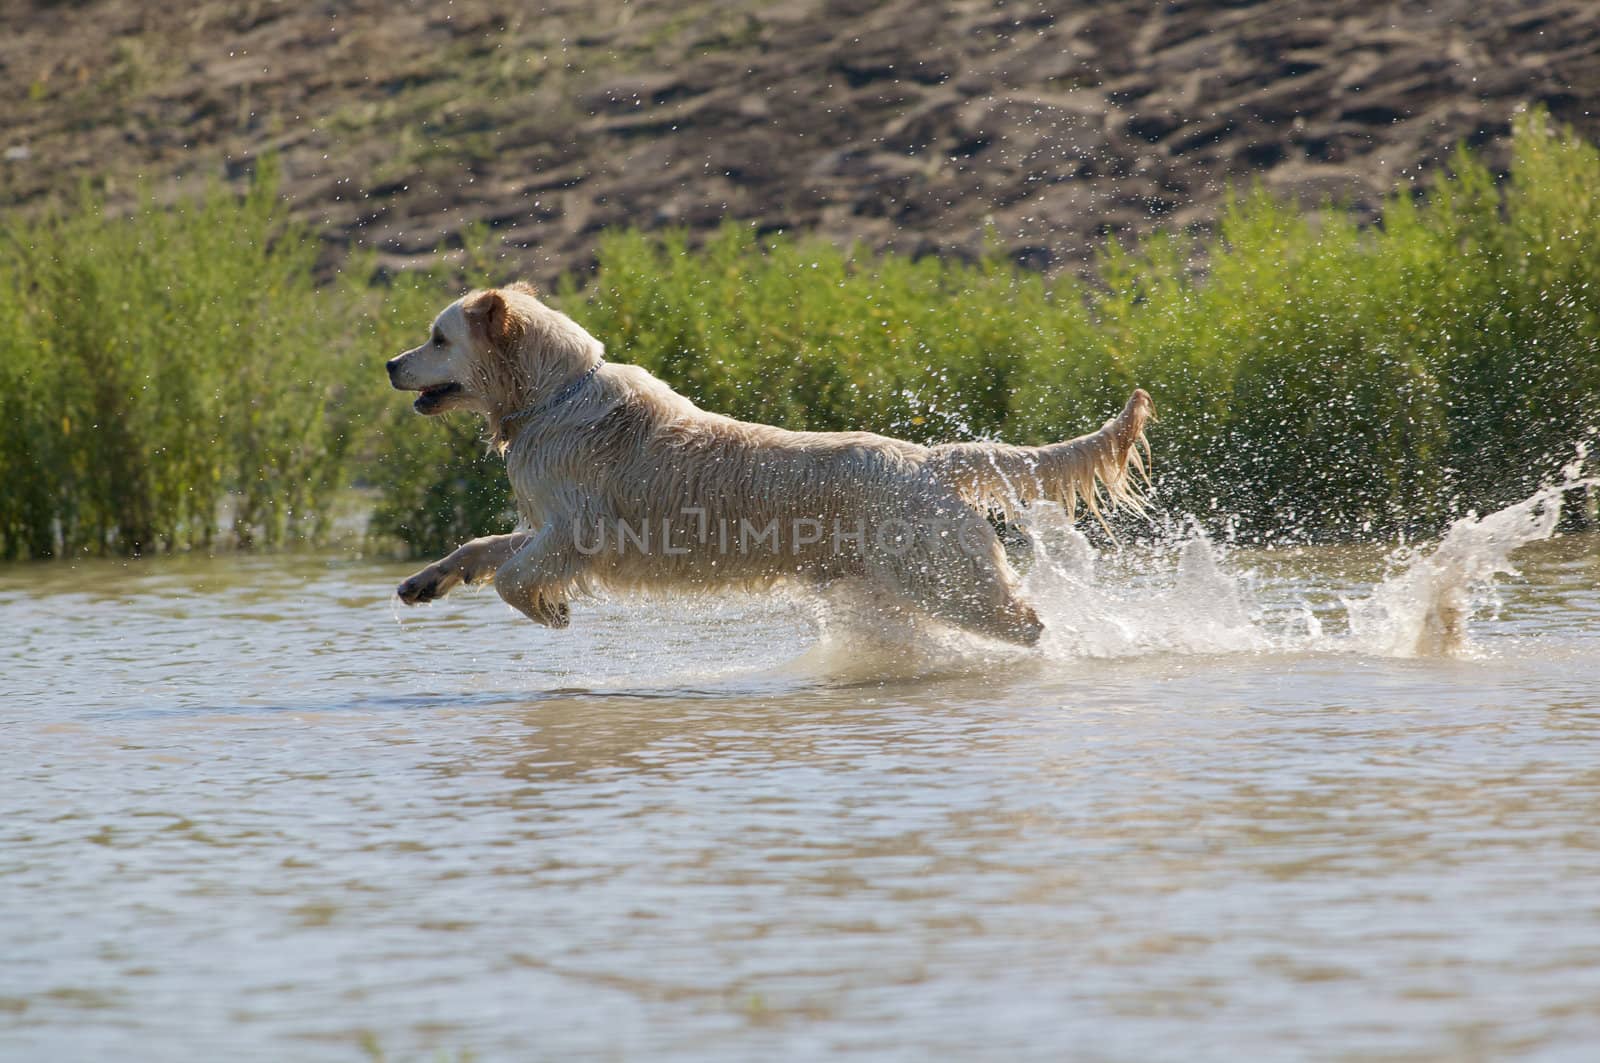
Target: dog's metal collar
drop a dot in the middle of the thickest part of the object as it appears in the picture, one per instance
(565, 394)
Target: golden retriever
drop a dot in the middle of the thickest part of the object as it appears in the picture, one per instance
(625, 484)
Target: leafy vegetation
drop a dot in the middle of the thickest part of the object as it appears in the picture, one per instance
(1315, 379)
(153, 368)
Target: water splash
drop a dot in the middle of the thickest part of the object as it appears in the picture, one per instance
(1423, 610)
(868, 637)
(1088, 612)
(1188, 598)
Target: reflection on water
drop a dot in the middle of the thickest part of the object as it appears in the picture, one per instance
(250, 810)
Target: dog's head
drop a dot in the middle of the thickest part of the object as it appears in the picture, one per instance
(492, 352)
(455, 368)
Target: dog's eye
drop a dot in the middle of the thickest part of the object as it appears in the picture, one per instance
(438, 339)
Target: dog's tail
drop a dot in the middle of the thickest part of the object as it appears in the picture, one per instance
(1000, 477)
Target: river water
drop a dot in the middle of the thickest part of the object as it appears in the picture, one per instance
(1292, 804)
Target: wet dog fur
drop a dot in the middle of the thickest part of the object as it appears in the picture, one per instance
(591, 445)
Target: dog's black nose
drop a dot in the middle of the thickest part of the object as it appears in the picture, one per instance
(392, 365)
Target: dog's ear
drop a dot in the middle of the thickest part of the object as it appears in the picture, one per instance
(489, 317)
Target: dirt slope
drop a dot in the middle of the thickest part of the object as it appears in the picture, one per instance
(905, 124)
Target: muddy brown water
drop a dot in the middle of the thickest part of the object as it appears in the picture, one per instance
(250, 809)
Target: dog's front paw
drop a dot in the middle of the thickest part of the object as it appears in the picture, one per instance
(419, 588)
(426, 585)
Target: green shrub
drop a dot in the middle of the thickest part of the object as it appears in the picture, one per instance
(158, 365)
(1325, 381)
(1315, 379)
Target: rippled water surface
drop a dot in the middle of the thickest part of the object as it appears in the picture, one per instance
(249, 809)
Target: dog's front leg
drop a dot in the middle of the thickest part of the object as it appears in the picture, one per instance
(476, 562)
(535, 580)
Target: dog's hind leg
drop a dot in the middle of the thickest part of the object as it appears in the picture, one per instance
(988, 606)
(537, 579)
(964, 581)
(474, 562)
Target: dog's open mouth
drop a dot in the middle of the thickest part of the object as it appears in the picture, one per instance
(433, 397)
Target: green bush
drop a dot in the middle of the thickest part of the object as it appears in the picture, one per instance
(1324, 381)
(157, 366)
(1315, 379)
